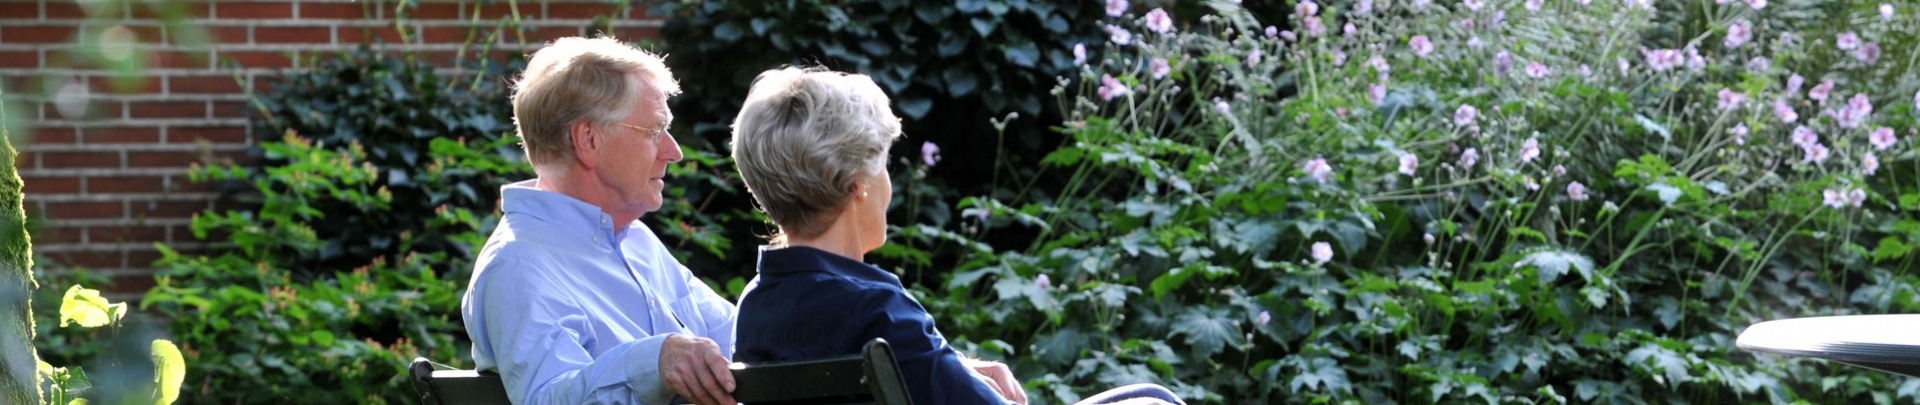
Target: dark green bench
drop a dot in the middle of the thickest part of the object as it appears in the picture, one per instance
(871, 377)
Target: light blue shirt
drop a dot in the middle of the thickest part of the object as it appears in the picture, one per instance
(570, 312)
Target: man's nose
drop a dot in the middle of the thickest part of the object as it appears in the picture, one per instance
(670, 151)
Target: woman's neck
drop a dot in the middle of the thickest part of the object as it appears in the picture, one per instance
(838, 239)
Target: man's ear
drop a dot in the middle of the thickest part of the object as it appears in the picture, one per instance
(585, 141)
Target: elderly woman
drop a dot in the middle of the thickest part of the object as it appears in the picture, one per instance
(812, 146)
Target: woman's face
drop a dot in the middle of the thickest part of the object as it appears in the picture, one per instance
(871, 211)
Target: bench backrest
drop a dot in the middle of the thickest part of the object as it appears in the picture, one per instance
(871, 377)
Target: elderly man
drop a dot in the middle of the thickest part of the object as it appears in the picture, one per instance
(574, 300)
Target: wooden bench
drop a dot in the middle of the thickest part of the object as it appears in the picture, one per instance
(871, 377)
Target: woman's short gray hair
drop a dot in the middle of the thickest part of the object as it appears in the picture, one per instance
(581, 79)
(802, 140)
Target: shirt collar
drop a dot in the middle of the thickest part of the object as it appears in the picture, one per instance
(801, 259)
(564, 211)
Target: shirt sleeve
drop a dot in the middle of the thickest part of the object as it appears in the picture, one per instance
(933, 370)
(717, 316)
(524, 326)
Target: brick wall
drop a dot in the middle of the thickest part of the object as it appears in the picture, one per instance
(105, 166)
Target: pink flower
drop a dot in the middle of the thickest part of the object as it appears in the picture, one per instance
(1158, 21)
(1576, 191)
(1559, 170)
(1856, 197)
(1315, 28)
(929, 153)
(1857, 110)
(1042, 282)
(1318, 170)
(1421, 5)
(1730, 99)
(1804, 136)
(1533, 6)
(1739, 134)
(1794, 82)
(1474, 42)
(1469, 157)
(1159, 67)
(1222, 107)
(1757, 4)
(1273, 32)
(1474, 5)
(1886, 12)
(1784, 111)
(1816, 153)
(1110, 88)
(1585, 71)
(1322, 252)
(1738, 34)
(1623, 65)
(1421, 46)
(1532, 185)
(1363, 7)
(1583, 3)
(1846, 41)
(1694, 60)
(1079, 54)
(1409, 163)
(1819, 93)
(1253, 58)
(1348, 29)
(1661, 60)
(1262, 318)
(1537, 70)
(1759, 64)
(1118, 35)
(1116, 7)
(1307, 8)
(1339, 58)
(1377, 93)
(1836, 198)
(1502, 62)
(1868, 53)
(1869, 164)
(1464, 115)
(1882, 138)
(1380, 65)
(1288, 35)
(1529, 150)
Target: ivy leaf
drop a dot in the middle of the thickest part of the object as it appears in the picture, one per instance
(1321, 373)
(914, 107)
(728, 31)
(1207, 330)
(960, 82)
(86, 307)
(1023, 54)
(1554, 263)
(1654, 358)
(984, 26)
(1669, 312)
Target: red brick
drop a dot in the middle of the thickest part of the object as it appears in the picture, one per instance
(231, 35)
(167, 109)
(152, 10)
(89, 259)
(253, 11)
(20, 9)
(445, 35)
(165, 209)
(550, 33)
(20, 59)
(366, 35)
(134, 284)
(182, 159)
(50, 184)
(65, 160)
(60, 10)
(229, 109)
(293, 35)
(55, 135)
(128, 233)
(214, 84)
(36, 35)
(114, 84)
(226, 135)
(126, 184)
(258, 59)
(182, 59)
(582, 11)
(86, 209)
(436, 11)
(55, 235)
(336, 11)
(111, 135)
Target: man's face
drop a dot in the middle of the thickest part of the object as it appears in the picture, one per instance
(637, 154)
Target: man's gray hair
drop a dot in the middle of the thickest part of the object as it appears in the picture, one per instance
(578, 79)
(804, 138)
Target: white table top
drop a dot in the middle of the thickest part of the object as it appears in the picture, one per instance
(1886, 342)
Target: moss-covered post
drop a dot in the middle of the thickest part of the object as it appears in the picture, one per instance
(19, 382)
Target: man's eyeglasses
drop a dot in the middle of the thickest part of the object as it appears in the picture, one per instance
(651, 133)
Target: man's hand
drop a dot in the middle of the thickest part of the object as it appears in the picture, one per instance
(999, 377)
(694, 368)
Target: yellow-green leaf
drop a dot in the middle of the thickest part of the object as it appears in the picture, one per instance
(86, 307)
(169, 371)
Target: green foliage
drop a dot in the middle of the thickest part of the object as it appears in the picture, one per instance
(352, 250)
(84, 308)
(1577, 237)
(946, 67)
